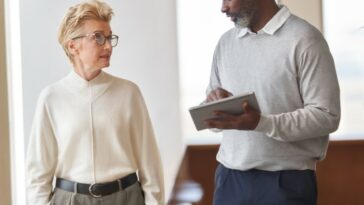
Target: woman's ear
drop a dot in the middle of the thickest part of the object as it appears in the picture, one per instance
(73, 47)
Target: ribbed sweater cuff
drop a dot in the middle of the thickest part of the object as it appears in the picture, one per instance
(264, 125)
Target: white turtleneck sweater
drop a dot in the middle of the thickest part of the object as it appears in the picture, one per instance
(92, 132)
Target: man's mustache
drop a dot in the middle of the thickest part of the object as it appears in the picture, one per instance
(234, 15)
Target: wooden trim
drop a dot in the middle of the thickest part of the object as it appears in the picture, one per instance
(5, 178)
(203, 147)
(347, 143)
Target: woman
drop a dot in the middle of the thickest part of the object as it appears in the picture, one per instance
(91, 130)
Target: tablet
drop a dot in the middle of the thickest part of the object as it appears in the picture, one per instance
(231, 105)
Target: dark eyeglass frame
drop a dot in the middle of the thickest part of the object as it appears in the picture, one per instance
(100, 38)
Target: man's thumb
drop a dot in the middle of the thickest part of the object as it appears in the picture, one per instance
(246, 107)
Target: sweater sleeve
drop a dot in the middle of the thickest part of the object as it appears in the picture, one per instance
(320, 93)
(146, 153)
(41, 157)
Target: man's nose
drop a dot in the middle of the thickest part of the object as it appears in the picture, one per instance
(224, 7)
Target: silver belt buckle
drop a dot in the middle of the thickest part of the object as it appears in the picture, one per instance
(91, 193)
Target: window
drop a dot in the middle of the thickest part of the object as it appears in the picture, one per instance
(344, 30)
(200, 25)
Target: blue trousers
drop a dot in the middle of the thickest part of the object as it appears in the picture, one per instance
(257, 187)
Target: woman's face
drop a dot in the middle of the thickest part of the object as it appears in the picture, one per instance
(89, 53)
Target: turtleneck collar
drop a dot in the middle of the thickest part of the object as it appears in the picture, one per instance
(89, 90)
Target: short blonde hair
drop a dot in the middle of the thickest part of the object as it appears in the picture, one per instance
(77, 15)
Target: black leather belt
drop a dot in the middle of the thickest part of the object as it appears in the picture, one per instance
(99, 189)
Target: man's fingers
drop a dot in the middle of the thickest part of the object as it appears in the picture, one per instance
(212, 97)
(216, 123)
(209, 98)
(222, 93)
(218, 93)
(247, 108)
(223, 115)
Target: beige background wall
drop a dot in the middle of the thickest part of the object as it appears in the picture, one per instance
(5, 196)
(310, 10)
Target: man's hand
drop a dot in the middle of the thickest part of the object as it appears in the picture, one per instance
(247, 121)
(217, 94)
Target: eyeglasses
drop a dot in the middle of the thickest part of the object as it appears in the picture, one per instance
(101, 39)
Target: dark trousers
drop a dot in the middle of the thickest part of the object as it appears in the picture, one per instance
(257, 187)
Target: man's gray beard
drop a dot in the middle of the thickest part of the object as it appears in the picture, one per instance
(242, 22)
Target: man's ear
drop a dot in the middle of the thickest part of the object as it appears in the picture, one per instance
(73, 47)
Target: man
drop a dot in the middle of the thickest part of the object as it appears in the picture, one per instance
(269, 158)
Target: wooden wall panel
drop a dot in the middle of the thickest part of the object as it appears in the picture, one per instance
(202, 165)
(340, 176)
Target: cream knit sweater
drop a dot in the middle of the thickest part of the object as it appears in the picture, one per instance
(92, 132)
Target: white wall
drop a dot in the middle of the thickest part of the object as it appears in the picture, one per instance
(146, 54)
(310, 10)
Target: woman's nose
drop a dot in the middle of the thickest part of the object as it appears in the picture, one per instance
(107, 45)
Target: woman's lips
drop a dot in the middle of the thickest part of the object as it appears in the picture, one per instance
(105, 57)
